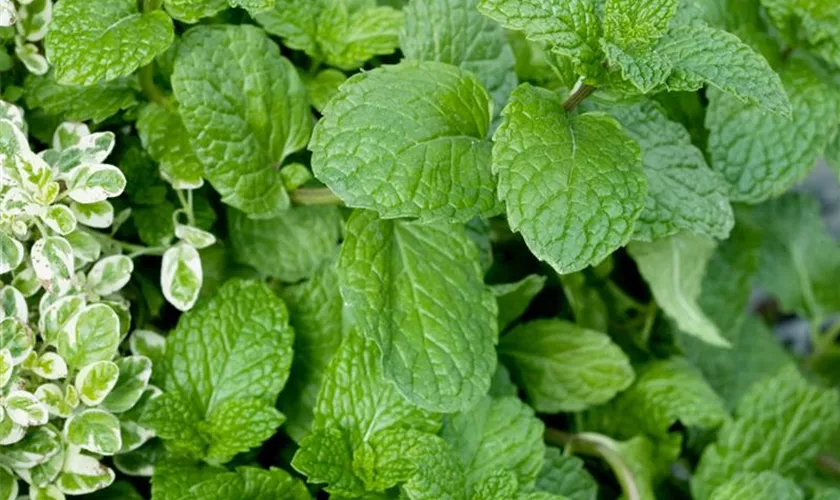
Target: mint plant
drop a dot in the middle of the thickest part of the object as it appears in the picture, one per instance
(418, 249)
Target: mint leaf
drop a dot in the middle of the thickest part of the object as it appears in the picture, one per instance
(683, 192)
(240, 136)
(562, 367)
(764, 485)
(702, 55)
(432, 161)
(811, 25)
(497, 433)
(416, 291)
(95, 102)
(324, 86)
(569, 28)
(454, 32)
(762, 155)
(251, 483)
(167, 141)
(637, 25)
(303, 236)
(104, 40)
(344, 33)
(779, 426)
(225, 364)
(513, 298)
(799, 261)
(573, 185)
(315, 310)
(565, 475)
(674, 269)
(191, 11)
(172, 479)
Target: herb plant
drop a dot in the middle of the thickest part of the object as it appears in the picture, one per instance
(420, 249)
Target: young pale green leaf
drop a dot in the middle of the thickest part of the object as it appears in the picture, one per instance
(315, 311)
(24, 409)
(38, 447)
(52, 397)
(93, 183)
(194, 236)
(95, 381)
(674, 268)
(637, 24)
(513, 298)
(181, 276)
(432, 161)
(88, 42)
(565, 475)
(110, 274)
(93, 334)
(68, 134)
(50, 366)
(454, 32)
(60, 219)
(683, 192)
(416, 291)
(83, 474)
(765, 485)
(497, 434)
(290, 247)
(260, 127)
(808, 24)
(236, 346)
(52, 260)
(11, 253)
(88, 149)
(167, 141)
(780, 425)
(701, 54)
(570, 28)
(573, 185)
(86, 248)
(95, 102)
(17, 337)
(799, 261)
(98, 215)
(563, 367)
(762, 155)
(57, 317)
(666, 392)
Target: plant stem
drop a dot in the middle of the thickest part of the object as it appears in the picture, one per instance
(147, 251)
(579, 93)
(147, 84)
(314, 196)
(597, 445)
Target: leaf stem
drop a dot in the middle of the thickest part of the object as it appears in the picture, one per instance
(314, 196)
(597, 445)
(578, 94)
(147, 84)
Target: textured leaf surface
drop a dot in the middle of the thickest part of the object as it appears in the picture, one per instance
(454, 32)
(75, 102)
(431, 160)
(574, 186)
(416, 291)
(251, 483)
(565, 475)
(245, 110)
(762, 155)
(780, 426)
(563, 367)
(637, 24)
(167, 141)
(103, 40)
(762, 486)
(809, 24)
(290, 246)
(191, 11)
(684, 193)
(674, 268)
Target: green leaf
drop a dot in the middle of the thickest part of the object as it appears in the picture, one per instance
(181, 276)
(570, 28)
(190, 11)
(513, 298)
(683, 192)
(326, 457)
(432, 161)
(454, 32)
(811, 25)
(52, 260)
(765, 485)
(11, 253)
(665, 392)
(251, 483)
(496, 434)
(780, 425)
(154, 223)
(674, 269)
(95, 102)
(573, 185)
(291, 246)
(234, 347)
(135, 372)
(38, 446)
(167, 141)
(87, 43)
(762, 155)
(110, 274)
(344, 33)
(315, 310)
(416, 291)
(95, 381)
(702, 55)
(93, 430)
(91, 335)
(637, 24)
(565, 475)
(563, 367)
(173, 479)
(237, 425)
(799, 262)
(259, 129)
(323, 87)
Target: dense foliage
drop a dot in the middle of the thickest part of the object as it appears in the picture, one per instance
(420, 249)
